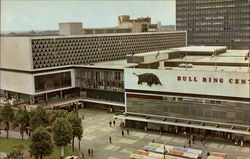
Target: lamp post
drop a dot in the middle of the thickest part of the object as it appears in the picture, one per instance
(164, 151)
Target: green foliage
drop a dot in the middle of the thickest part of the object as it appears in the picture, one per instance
(76, 124)
(22, 118)
(6, 145)
(62, 132)
(41, 143)
(39, 117)
(15, 154)
(7, 113)
(58, 114)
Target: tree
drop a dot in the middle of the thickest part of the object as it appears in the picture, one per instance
(62, 133)
(58, 114)
(22, 118)
(15, 154)
(7, 115)
(1, 120)
(41, 143)
(76, 124)
(39, 117)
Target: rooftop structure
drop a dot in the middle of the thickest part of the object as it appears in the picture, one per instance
(125, 25)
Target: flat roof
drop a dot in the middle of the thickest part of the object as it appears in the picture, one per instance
(151, 53)
(210, 68)
(199, 48)
(231, 56)
(98, 35)
(117, 64)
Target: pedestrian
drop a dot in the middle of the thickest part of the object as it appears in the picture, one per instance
(204, 138)
(110, 123)
(89, 151)
(189, 142)
(128, 131)
(114, 122)
(110, 139)
(185, 133)
(82, 117)
(193, 139)
(122, 133)
(145, 128)
(92, 152)
(241, 143)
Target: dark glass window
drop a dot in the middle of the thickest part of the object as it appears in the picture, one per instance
(52, 81)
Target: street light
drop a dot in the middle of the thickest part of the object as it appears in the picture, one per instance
(164, 151)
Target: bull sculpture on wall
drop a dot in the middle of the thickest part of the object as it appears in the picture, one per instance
(148, 78)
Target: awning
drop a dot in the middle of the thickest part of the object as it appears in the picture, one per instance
(104, 102)
(214, 128)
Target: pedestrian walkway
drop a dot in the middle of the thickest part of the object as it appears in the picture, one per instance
(14, 134)
(97, 131)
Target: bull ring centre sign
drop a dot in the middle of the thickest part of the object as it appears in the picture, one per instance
(231, 84)
(213, 80)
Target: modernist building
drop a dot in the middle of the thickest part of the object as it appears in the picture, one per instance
(45, 68)
(202, 90)
(215, 22)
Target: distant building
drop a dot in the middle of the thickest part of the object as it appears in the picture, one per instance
(137, 25)
(161, 27)
(125, 25)
(215, 22)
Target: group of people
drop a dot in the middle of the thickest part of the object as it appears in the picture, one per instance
(110, 123)
(127, 132)
(192, 139)
(91, 152)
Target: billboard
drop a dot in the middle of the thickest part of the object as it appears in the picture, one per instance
(229, 84)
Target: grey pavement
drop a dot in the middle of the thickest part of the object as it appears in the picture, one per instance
(97, 131)
(14, 134)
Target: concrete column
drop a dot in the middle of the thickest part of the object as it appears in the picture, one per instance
(31, 100)
(61, 94)
(46, 97)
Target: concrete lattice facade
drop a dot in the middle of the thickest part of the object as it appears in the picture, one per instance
(215, 22)
(61, 51)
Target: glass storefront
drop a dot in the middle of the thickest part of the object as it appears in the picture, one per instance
(52, 81)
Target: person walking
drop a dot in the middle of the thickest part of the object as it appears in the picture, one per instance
(110, 140)
(193, 139)
(92, 152)
(128, 131)
(189, 142)
(89, 151)
(114, 122)
(110, 123)
(122, 133)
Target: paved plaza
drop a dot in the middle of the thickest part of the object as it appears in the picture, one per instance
(97, 131)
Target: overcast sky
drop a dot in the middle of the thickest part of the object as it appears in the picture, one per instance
(22, 15)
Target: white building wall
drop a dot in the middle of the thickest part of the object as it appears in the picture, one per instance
(16, 53)
(17, 82)
(229, 84)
